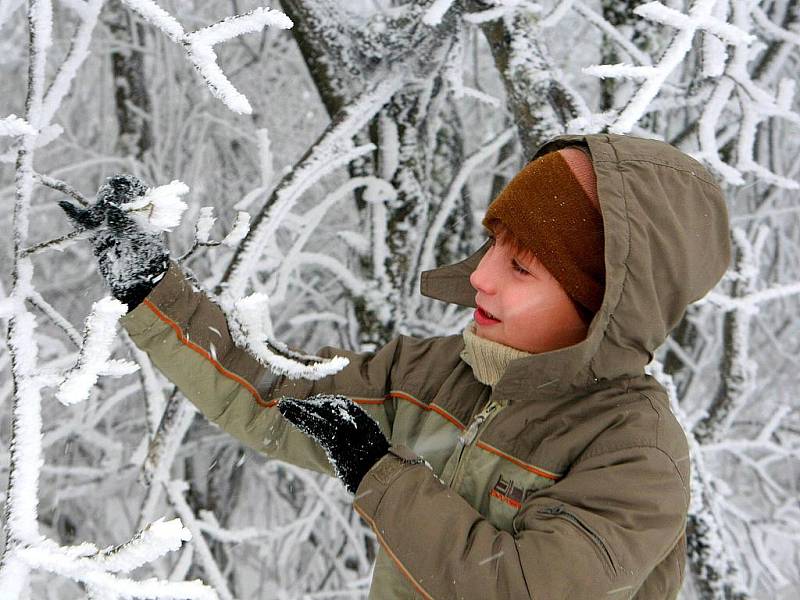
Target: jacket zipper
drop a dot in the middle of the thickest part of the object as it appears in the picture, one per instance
(559, 512)
(470, 434)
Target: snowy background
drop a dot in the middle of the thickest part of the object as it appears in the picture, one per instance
(333, 151)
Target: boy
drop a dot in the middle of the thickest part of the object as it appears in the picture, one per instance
(553, 467)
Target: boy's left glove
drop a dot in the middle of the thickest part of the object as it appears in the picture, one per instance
(130, 259)
(351, 438)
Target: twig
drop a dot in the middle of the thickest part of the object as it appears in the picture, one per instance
(53, 244)
(61, 186)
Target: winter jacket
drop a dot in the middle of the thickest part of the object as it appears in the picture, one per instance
(567, 480)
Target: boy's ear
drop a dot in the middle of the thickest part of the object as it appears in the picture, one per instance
(451, 283)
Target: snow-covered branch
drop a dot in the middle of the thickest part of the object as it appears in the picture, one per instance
(756, 104)
(252, 329)
(98, 337)
(200, 44)
(333, 150)
(12, 125)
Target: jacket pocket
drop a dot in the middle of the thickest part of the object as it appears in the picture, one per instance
(559, 512)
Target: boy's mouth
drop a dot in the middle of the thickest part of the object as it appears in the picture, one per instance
(485, 318)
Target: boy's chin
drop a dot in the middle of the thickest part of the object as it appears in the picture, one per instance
(487, 332)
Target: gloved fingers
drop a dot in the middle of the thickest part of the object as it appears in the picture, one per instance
(83, 218)
(336, 407)
(308, 418)
(352, 420)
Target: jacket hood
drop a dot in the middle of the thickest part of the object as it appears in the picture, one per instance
(667, 244)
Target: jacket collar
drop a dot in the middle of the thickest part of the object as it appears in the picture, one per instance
(666, 236)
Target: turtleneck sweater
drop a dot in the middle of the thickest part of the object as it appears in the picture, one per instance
(488, 359)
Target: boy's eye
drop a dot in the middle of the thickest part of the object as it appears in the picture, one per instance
(519, 268)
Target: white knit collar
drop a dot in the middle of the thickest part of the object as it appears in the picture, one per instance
(488, 359)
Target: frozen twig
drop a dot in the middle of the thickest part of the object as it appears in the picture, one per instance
(199, 45)
(12, 126)
(63, 187)
(251, 328)
(59, 243)
(334, 149)
(699, 17)
(175, 491)
(99, 335)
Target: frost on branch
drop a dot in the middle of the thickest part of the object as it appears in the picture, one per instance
(726, 74)
(204, 224)
(206, 220)
(251, 328)
(98, 339)
(161, 208)
(151, 543)
(199, 45)
(241, 227)
(12, 125)
(436, 11)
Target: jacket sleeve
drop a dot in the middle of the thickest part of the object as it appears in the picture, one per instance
(596, 533)
(187, 338)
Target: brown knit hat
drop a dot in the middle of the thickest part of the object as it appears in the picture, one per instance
(551, 208)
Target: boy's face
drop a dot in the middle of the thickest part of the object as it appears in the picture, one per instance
(531, 310)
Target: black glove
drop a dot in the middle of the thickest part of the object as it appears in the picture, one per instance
(131, 260)
(350, 437)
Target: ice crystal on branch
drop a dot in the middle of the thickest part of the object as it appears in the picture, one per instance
(706, 17)
(160, 208)
(12, 125)
(239, 230)
(99, 336)
(199, 45)
(252, 329)
(204, 224)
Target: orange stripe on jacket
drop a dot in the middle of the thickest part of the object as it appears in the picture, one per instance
(225, 372)
(483, 445)
(435, 408)
(392, 555)
(527, 466)
(201, 351)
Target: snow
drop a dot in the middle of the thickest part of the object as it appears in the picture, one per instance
(475, 161)
(158, 17)
(13, 125)
(436, 12)
(160, 208)
(560, 10)
(7, 8)
(503, 9)
(241, 227)
(175, 491)
(204, 224)
(98, 338)
(355, 240)
(148, 545)
(200, 44)
(252, 329)
(265, 157)
(78, 52)
(232, 27)
(332, 151)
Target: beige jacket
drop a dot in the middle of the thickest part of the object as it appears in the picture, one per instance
(569, 479)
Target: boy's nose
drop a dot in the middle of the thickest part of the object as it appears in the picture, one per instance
(482, 278)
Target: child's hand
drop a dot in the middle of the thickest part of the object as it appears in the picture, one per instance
(130, 259)
(351, 438)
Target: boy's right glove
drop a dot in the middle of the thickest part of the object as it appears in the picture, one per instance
(131, 260)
